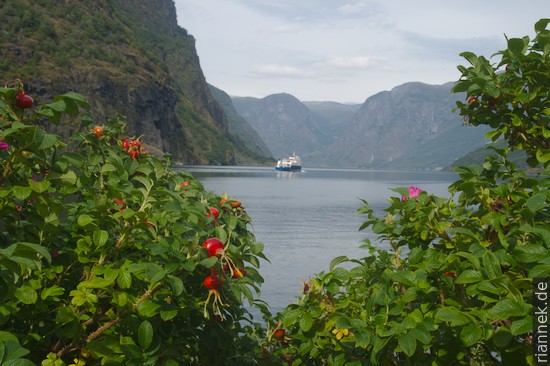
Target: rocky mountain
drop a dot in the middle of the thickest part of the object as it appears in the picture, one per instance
(285, 124)
(240, 131)
(409, 127)
(125, 56)
(335, 115)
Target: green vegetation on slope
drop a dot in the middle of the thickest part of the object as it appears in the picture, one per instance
(128, 57)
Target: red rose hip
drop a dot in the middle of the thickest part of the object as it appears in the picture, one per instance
(23, 101)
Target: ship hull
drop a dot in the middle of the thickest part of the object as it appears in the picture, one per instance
(296, 168)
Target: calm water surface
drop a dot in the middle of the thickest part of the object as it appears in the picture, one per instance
(308, 218)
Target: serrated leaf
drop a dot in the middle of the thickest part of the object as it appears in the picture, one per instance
(407, 342)
(108, 167)
(124, 279)
(404, 276)
(48, 140)
(100, 237)
(39, 187)
(21, 193)
(491, 265)
(291, 316)
(452, 315)
(19, 362)
(502, 337)
(145, 334)
(471, 334)
(521, 326)
(148, 308)
(84, 220)
(469, 276)
(26, 294)
(176, 284)
(147, 183)
(68, 178)
(536, 202)
(540, 271)
(209, 262)
(73, 159)
(507, 308)
(306, 322)
(336, 261)
(53, 291)
(168, 314)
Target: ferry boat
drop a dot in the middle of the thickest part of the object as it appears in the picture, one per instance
(290, 164)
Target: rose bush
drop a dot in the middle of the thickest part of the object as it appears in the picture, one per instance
(457, 285)
(109, 256)
(101, 260)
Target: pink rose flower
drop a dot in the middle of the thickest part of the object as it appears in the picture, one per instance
(4, 146)
(413, 192)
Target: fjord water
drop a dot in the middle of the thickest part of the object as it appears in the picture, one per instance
(306, 219)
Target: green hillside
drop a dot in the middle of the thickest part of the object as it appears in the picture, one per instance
(124, 56)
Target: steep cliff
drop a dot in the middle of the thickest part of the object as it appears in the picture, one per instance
(240, 131)
(125, 56)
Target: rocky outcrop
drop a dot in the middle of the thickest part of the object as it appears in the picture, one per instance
(125, 56)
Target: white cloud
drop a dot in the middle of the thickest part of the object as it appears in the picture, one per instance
(357, 62)
(277, 70)
(350, 49)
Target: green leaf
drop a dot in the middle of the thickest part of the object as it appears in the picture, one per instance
(541, 25)
(521, 326)
(491, 265)
(22, 193)
(19, 362)
(306, 322)
(407, 342)
(108, 167)
(100, 237)
(471, 334)
(362, 339)
(209, 262)
(148, 309)
(536, 202)
(405, 277)
(291, 316)
(469, 276)
(507, 308)
(540, 271)
(124, 279)
(26, 294)
(452, 315)
(39, 187)
(177, 284)
(84, 220)
(68, 178)
(147, 183)
(502, 337)
(53, 291)
(336, 261)
(74, 159)
(168, 314)
(516, 46)
(145, 334)
(48, 140)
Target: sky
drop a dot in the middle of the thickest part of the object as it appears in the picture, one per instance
(346, 50)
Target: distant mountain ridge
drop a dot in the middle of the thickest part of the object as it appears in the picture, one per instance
(131, 57)
(410, 127)
(284, 123)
